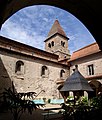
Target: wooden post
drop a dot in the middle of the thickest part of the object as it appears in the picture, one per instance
(74, 98)
(64, 99)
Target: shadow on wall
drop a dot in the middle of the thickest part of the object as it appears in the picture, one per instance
(5, 80)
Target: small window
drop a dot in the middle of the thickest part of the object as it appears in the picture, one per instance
(91, 69)
(49, 45)
(52, 43)
(62, 72)
(19, 68)
(44, 71)
(62, 43)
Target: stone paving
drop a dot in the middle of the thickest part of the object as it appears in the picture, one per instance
(37, 114)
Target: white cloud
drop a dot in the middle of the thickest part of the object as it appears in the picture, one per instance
(15, 32)
(31, 26)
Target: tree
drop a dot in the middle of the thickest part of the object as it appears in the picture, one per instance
(16, 102)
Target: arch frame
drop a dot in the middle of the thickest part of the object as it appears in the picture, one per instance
(87, 11)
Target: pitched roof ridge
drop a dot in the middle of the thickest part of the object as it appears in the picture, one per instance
(85, 47)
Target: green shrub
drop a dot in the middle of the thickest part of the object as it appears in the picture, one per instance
(82, 111)
(11, 100)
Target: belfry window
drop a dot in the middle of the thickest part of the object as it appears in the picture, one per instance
(62, 43)
(62, 72)
(52, 43)
(49, 45)
(44, 71)
(19, 68)
(91, 69)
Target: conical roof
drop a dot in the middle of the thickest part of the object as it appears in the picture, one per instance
(56, 28)
(76, 82)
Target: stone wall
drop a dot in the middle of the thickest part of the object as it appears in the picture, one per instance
(95, 59)
(31, 79)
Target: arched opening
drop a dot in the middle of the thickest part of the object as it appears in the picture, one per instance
(62, 74)
(19, 68)
(63, 43)
(44, 71)
(97, 87)
(24, 27)
(49, 45)
(52, 43)
(87, 11)
(11, 11)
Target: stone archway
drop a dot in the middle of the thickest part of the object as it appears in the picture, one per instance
(88, 12)
(59, 87)
(96, 86)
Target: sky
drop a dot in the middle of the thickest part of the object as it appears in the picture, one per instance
(31, 25)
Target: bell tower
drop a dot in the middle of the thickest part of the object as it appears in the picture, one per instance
(57, 41)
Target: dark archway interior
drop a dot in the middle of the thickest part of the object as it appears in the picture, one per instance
(89, 12)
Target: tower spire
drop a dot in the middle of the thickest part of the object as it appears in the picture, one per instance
(56, 29)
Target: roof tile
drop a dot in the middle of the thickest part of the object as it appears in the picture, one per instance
(87, 50)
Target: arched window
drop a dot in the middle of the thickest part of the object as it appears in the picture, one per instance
(62, 43)
(19, 68)
(49, 45)
(62, 72)
(44, 71)
(52, 43)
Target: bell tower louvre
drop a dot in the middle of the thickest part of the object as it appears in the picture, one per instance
(57, 41)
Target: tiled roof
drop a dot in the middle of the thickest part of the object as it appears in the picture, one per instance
(94, 77)
(56, 28)
(85, 51)
(23, 48)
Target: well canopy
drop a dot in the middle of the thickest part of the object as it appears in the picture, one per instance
(76, 82)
